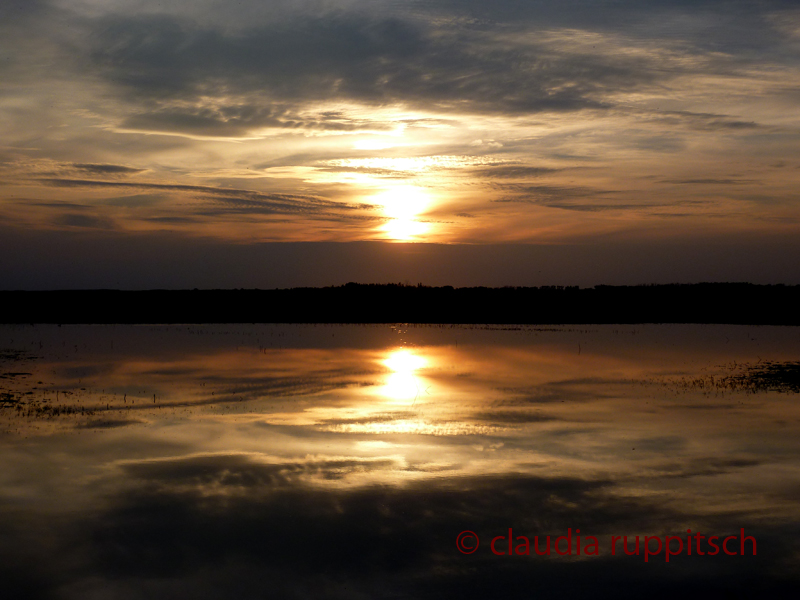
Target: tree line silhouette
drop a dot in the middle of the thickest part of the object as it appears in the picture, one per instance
(735, 303)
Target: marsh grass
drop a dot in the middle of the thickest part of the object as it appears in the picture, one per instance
(764, 376)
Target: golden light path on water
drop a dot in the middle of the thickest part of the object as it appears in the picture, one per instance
(582, 402)
(402, 385)
(233, 437)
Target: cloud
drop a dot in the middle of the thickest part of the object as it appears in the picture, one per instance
(97, 169)
(84, 221)
(206, 71)
(654, 92)
(181, 76)
(554, 196)
(611, 207)
(703, 121)
(711, 181)
(535, 193)
(513, 172)
(243, 119)
(230, 200)
(136, 200)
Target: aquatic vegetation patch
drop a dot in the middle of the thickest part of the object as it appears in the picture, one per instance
(764, 376)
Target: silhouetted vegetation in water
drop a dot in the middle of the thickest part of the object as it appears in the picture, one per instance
(14, 355)
(765, 376)
(26, 402)
(729, 303)
(779, 377)
(9, 399)
(42, 408)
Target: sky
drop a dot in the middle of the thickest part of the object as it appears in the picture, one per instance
(446, 142)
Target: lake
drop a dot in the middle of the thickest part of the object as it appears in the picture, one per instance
(399, 461)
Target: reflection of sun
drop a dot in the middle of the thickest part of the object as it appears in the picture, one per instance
(402, 205)
(401, 385)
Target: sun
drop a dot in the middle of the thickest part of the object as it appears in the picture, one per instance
(402, 205)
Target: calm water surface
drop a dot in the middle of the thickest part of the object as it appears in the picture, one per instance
(343, 461)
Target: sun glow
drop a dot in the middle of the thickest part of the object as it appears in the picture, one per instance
(402, 205)
(402, 385)
(373, 144)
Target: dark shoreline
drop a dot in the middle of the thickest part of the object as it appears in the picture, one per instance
(718, 303)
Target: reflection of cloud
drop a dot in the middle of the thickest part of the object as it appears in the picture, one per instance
(383, 417)
(512, 417)
(108, 423)
(226, 473)
(209, 523)
(349, 499)
(703, 467)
